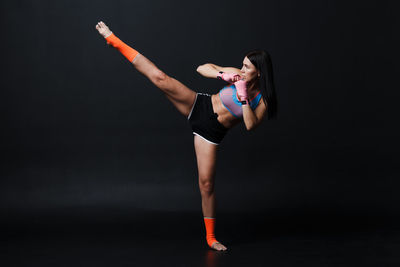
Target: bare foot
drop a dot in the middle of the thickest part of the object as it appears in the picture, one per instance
(218, 246)
(103, 29)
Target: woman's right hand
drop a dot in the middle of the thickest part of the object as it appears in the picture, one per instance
(228, 77)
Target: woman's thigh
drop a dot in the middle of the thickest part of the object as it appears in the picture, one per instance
(180, 95)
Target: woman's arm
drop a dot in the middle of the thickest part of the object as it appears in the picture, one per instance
(210, 70)
(253, 118)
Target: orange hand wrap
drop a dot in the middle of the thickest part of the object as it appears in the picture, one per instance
(210, 228)
(126, 50)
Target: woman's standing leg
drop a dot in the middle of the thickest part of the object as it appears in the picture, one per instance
(180, 95)
(206, 155)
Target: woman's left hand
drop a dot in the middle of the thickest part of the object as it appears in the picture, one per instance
(241, 87)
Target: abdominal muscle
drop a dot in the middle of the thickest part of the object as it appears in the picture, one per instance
(224, 116)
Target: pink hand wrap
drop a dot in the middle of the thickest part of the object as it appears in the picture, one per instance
(228, 77)
(241, 88)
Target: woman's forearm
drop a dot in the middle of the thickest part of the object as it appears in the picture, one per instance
(249, 118)
(208, 70)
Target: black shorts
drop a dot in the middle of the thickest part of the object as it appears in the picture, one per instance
(204, 121)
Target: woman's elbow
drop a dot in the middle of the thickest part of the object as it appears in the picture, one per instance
(203, 67)
(251, 127)
(199, 68)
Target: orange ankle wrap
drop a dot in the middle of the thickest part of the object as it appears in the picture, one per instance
(125, 49)
(210, 228)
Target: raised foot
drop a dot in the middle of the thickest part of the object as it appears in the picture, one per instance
(218, 246)
(103, 29)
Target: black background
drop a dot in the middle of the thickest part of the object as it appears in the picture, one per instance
(85, 138)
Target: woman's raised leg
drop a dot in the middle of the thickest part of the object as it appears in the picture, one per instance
(180, 95)
(206, 154)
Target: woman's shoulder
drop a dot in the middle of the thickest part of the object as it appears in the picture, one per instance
(262, 104)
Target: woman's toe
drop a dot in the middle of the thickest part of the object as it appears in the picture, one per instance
(221, 247)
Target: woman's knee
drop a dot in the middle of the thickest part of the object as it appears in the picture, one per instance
(160, 79)
(206, 185)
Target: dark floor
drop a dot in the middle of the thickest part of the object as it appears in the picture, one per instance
(159, 239)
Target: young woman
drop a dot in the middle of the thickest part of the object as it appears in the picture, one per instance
(247, 98)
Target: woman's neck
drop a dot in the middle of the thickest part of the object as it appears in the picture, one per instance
(252, 89)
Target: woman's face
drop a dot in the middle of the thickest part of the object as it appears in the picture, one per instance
(249, 71)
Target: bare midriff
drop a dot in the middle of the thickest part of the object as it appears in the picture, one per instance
(224, 116)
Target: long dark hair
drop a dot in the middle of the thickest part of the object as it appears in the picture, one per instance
(262, 61)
